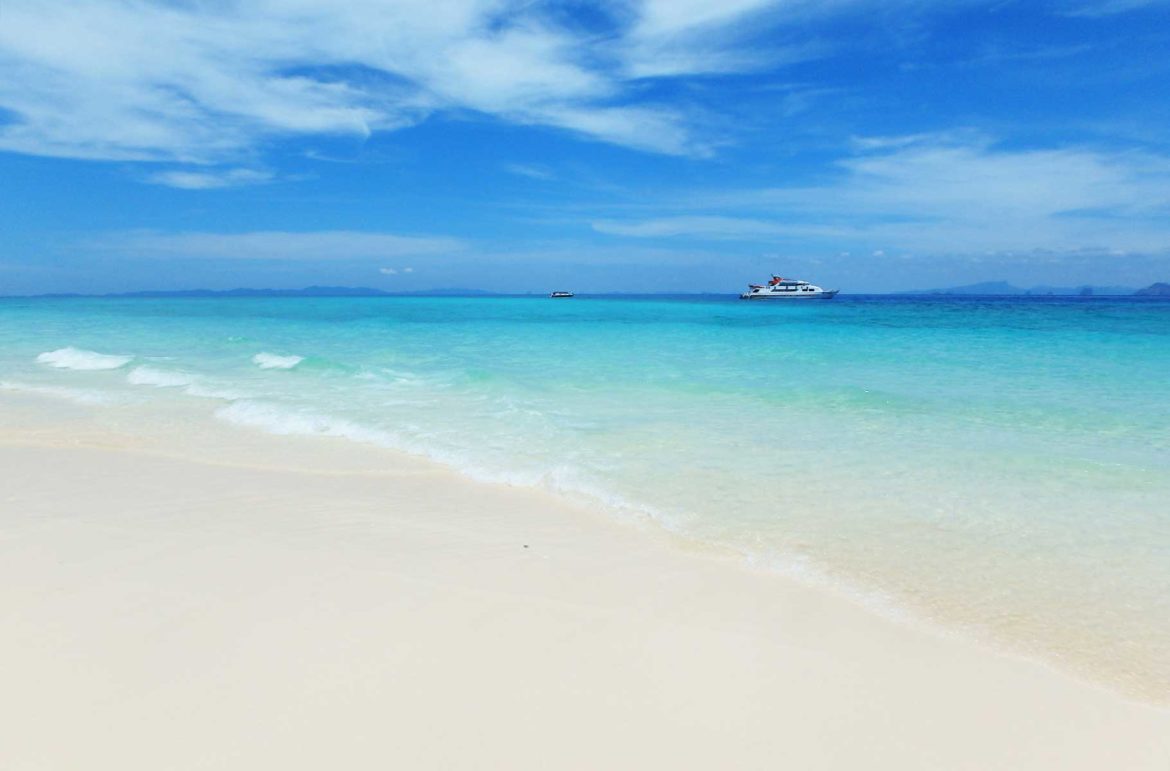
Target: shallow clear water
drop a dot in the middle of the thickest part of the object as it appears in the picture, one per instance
(1001, 466)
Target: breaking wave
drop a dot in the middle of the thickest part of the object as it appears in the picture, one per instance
(265, 360)
(562, 479)
(159, 378)
(282, 421)
(80, 359)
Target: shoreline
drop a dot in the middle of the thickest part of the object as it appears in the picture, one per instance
(302, 611)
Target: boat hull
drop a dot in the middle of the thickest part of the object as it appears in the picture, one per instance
(791, 296)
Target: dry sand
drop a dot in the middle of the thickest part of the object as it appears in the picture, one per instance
(268, 603)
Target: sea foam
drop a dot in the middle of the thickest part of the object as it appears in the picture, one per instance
(191, 384)
(562, 479)
(265, 360)
(212, 392)
(284, 421)
(80, 359)
(159, 378)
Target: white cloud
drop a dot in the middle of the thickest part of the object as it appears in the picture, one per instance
(941, 195)
(643, 128)
(213, 82)
(677, 37)
(1110, 7)
(207, 180)
(716, 227)
(944, 194)
(662, 18)
(209, 82)
(275, 245)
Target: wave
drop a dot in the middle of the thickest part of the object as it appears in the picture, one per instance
(282, 421)
(80, 359)
(159, 378)
(277, 419)
(191, 385)
(208, 392)
(265, 360)
(565, 480)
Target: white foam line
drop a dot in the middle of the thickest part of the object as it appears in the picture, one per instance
(265, 360)
(80, 359)
(159, 378)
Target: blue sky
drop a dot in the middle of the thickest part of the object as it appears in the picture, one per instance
(636, 145)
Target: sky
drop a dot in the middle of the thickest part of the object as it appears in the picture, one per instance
(614, 145)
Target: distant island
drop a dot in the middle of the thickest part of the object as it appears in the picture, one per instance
(1160, 289)
(1003, 288)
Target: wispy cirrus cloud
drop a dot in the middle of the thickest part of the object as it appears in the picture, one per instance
(208, 180)
(328, 245)
(210, 82)
(207, 82)
(714, 227)
(1093, 8)
(941, 194)
(681, 37)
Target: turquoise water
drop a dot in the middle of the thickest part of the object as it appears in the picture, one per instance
(1000, 467)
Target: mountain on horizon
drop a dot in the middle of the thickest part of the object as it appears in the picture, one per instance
(1159, 289)
(1003, 288)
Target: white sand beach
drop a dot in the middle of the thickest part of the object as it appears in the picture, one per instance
(262, 602)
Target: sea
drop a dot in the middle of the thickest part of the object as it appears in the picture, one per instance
(997, 468)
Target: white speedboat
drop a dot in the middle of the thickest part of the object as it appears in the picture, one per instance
(561, 294)
(780, 288)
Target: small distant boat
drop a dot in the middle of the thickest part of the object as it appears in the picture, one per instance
(780, 288)
(561, 294)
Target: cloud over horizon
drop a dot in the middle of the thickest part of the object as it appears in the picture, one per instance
(945, 194)
(329, 245)
(210, 179)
